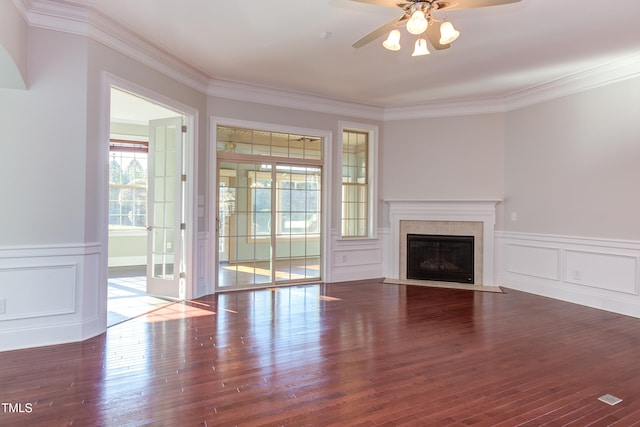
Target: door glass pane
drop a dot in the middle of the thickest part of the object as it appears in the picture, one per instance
(158, 266)
(171, 189)
(158, 214)
(171, 138)
(269, 214)
(244, 214)
(160, 163)
(171, 163)
(298, 194)
(170, 214)
(158, 240)
(158, 192)
(169, 239)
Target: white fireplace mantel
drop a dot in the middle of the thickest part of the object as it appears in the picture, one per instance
(483, 211)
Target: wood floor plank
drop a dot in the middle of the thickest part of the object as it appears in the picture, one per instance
(360, 354)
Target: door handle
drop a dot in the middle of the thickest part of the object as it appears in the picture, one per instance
(149, 227)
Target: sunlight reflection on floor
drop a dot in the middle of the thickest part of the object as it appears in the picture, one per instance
(177, 311)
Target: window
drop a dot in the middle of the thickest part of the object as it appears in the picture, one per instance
(267, 143)
(297, 200)
(358, 190)
(127, 184)
(270, 201)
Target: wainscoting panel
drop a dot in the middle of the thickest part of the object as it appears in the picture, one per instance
(614, 272)
(46, 290)
(533, 261)
(597, 273)
(354, 259)
(50, 295)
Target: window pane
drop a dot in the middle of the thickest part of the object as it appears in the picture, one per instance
(266, 143)
(313, 149)
(354, 184)
(127, 184)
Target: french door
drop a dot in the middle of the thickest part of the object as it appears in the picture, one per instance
(165, 208)
(269, 223)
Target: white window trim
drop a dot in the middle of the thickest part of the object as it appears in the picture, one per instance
(372, 178)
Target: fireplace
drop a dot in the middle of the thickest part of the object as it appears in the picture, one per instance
(444, 258)
(443, 217)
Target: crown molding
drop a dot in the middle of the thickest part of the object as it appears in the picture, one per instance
(65, 16)
(591, 78)
(111, 34)
(291, 99)
(445, 109)
(78, 17)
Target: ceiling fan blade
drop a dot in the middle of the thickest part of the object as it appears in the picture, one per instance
(380, 31)
(470, 4)
(385, 3)
(433, 34)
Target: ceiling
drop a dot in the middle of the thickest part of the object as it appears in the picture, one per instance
(305, 46)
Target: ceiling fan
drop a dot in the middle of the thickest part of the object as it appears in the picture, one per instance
(418, 16)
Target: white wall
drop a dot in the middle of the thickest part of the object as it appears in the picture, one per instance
(571, 164)
(444, 158)
(43, 149)
(46, 264)
(13, 47)
(571, 171)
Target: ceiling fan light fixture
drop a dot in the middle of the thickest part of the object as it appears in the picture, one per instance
(393, 41)
(421, 48)
(448, 34)
(418, 23)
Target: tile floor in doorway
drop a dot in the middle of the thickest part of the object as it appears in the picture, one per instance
(127, 296)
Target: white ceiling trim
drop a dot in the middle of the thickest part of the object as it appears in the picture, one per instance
(55, 16)
(105, 31)
(282, 98)
(73, 17)
(592, 78)
(579, 82)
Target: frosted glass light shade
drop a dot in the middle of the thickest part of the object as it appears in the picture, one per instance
(448, 33)
(393, 41)
(417, 24)
(421, 48)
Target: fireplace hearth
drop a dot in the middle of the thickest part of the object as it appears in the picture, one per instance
(443, 258)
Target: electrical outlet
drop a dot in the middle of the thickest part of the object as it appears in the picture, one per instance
(3, 305)
(576, 275)
(514, 216)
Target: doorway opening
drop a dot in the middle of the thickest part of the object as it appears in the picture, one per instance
(270, 198)
(146, 209)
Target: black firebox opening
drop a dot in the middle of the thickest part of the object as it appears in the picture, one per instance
(440, 258)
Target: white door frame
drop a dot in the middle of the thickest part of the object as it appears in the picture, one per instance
(212, 267)
(191, 170)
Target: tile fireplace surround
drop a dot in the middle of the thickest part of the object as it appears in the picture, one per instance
(455, 217)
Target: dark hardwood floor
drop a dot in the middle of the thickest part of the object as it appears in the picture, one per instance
(359, 353)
